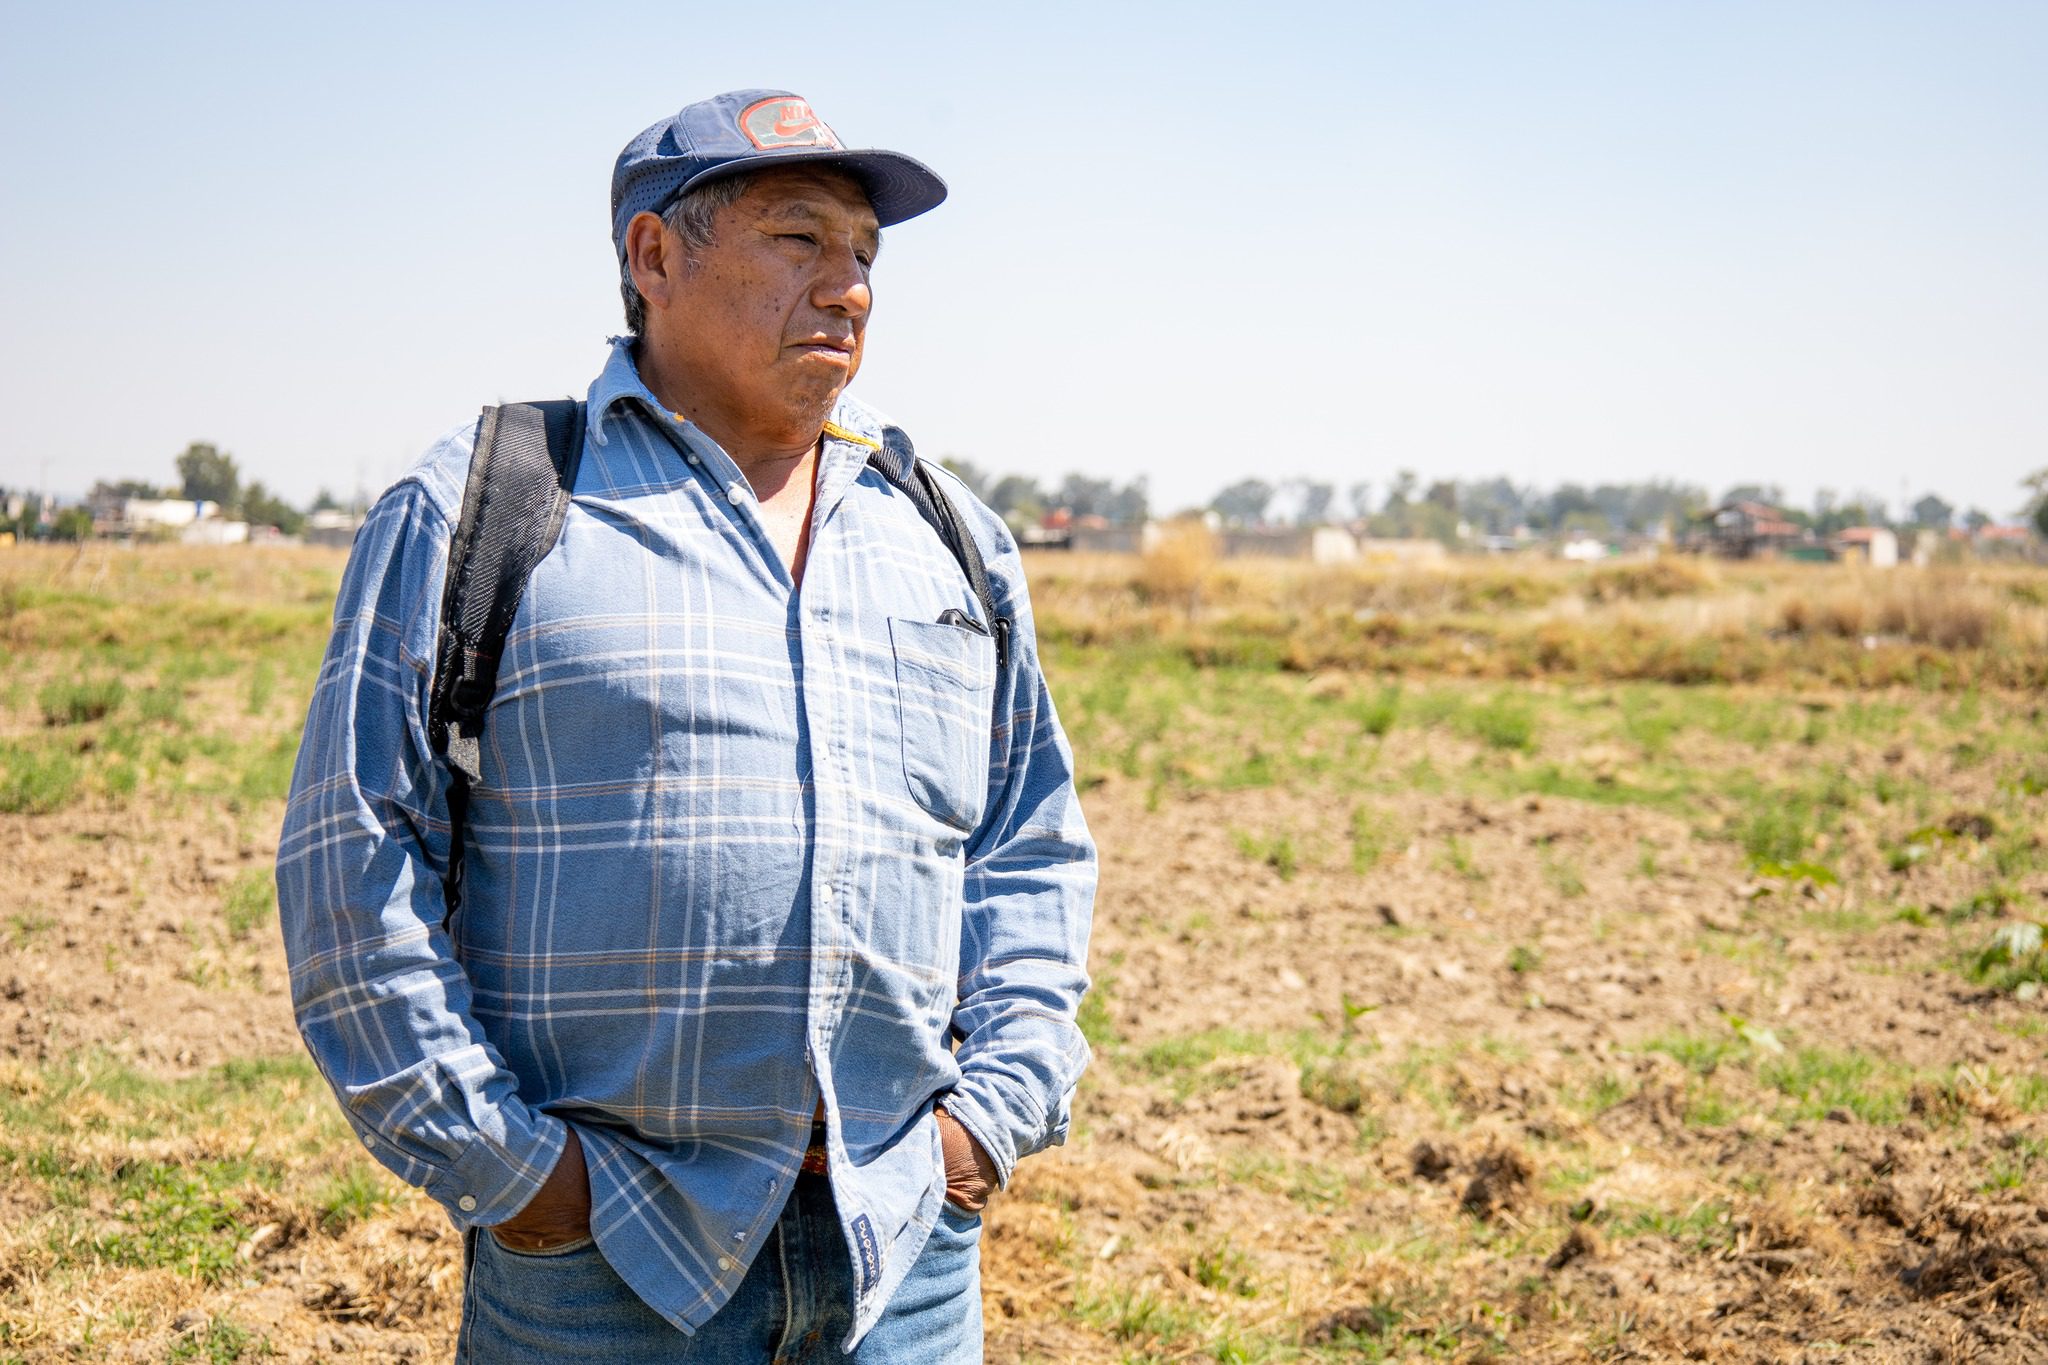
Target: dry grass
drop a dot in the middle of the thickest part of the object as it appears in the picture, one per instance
(1943, 609)
(1179, 567)
(1666, 620)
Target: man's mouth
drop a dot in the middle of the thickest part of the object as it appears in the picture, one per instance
(829, 350)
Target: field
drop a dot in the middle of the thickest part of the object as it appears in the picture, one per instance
(1522, 963)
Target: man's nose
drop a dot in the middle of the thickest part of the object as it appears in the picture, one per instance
(842, 285)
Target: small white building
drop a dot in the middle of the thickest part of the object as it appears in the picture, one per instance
(1332, 545)
(214, 531)
(141, 514)
(1876, 546)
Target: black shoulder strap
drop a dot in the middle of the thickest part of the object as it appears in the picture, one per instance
(898, 463)
(520, 478)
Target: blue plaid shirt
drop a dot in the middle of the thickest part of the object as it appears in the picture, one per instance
(738, 849)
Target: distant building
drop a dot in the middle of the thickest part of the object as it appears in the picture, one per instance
(1105, 539)
(216, 531)
(2007, 542)
(152, 518)
(1876, 546)
(331, 526)
(1313, 544)
(1750, 530)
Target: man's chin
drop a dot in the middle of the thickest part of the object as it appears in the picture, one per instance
(810, 404)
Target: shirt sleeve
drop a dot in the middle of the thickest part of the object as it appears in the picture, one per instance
(381, 1000)
(1029, 898)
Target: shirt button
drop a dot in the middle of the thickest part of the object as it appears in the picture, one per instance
(369, 1139)
(735, 493)
(467, 1203)
(725, 1263)
(693, 460)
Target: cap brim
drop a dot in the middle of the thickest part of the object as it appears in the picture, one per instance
(899, 187)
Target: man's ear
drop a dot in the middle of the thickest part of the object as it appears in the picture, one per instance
(653, 257)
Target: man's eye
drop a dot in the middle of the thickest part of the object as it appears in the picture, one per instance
(803, 237)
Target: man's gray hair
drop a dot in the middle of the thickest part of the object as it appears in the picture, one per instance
(690, 219)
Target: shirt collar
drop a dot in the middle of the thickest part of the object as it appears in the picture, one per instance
(852, 433)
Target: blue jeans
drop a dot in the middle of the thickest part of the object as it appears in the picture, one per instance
(794, 1307)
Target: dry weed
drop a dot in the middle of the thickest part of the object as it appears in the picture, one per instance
(1176, 569)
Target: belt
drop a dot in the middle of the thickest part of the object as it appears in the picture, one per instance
(814, 1155)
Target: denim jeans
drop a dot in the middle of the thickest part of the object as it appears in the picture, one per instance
(794, 1307)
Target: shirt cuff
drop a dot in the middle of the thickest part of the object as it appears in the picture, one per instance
(494, 1179)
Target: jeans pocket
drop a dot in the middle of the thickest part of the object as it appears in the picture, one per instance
(945, 703)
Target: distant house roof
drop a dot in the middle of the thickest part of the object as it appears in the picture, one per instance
(1763, 520)
(2004, 533)
(1861, 535)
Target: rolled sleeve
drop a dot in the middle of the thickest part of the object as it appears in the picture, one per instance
(1028, 902)
(381, 1000)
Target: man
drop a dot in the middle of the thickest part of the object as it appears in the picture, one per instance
(775, 892)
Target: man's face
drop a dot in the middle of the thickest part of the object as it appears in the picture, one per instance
(763, 328)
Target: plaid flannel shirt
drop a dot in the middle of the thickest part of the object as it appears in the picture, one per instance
(739, 849)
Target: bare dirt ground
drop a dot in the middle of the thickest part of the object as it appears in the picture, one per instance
(1842, 1238)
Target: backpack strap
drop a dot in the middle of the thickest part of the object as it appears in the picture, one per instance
(520, 477)
(898, 463)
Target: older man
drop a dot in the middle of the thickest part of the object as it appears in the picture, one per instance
(774, 891)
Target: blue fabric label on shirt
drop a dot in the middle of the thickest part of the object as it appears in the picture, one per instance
(870, 1254)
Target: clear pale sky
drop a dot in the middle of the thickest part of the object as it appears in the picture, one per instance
(1791, 242)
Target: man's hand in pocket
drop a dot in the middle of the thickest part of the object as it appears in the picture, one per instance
(559, 1214)
(970, 1175)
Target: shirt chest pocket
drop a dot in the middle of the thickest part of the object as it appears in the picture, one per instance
(945, 699)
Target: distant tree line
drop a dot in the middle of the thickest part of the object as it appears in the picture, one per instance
(1405, 508)
(1022, 500)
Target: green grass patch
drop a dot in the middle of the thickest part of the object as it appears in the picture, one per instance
(1276, 851)
(1703, 1054)
(1370, 836)
(1701, 1227)
(250, 902)
(1094, 1020)
(36, 779)
(222, 1343)
(80, 700)
(1819, 1081)
(1179, 1058)
(350, 1196)
(1504, 721)
(2015, 959)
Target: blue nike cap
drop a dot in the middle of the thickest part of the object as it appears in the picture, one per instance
(744, 130)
